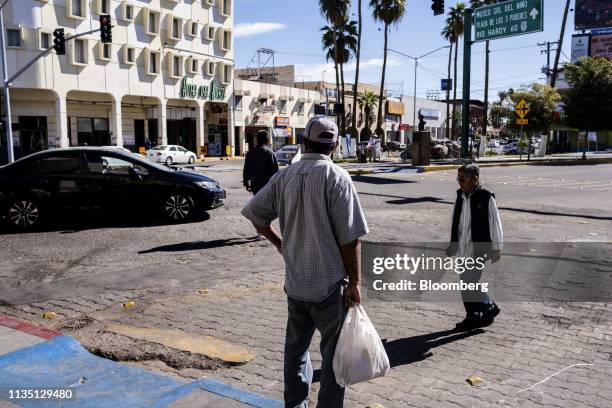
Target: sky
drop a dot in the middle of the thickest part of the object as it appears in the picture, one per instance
(292, 29)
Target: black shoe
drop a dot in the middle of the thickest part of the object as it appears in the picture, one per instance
(469, 323)
(489, 316)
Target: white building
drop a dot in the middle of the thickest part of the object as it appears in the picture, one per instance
(166, 76)
(434, 114)
(283, 111)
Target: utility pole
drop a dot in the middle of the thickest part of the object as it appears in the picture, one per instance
(553, 77)
(547, 51)
(467, 56)
(7, 92)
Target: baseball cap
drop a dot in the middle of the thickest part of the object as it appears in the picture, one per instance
(322, 129)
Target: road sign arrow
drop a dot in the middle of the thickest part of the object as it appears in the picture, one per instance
(534, 13)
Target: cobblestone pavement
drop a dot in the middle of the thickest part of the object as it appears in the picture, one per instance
(245, 303)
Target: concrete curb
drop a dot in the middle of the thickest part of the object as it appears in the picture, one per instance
(444, 167)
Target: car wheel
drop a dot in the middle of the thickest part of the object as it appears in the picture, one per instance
(168, 161)
(178, 207)
(191, 159)
(23, 213)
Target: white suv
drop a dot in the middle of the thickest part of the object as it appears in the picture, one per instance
(170, 154)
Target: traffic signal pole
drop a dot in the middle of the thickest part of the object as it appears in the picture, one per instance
(467, 56)
(6, 84)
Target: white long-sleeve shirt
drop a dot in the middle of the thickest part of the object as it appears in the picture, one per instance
(466, 247)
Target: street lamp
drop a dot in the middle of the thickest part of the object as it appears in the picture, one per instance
(416, 67)
(5, 86)
(326, 95)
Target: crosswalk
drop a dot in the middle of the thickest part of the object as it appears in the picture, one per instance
(531, 182)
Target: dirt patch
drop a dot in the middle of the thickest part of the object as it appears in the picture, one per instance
(73, 324)
(122, 348)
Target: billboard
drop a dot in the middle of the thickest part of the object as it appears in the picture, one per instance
(601, 46)
(592, 14)
(580, 46)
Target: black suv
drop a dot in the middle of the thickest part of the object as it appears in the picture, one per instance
(100, 178)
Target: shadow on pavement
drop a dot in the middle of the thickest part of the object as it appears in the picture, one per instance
(417, 348)
(380, 180)
(69, 224)
(199, 245)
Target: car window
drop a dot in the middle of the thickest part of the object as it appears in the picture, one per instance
(182, 149)
(53, 165)
(159, 147)
(173, 149)
(110, 165)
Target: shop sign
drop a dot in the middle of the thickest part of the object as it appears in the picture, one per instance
(281, 121)
(213, 92)
(601, 46)
(430, 113)
(395, 108)
(260, 120)
(267, 108)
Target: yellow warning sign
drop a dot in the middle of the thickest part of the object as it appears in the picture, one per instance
(522, 108)
(522, 121)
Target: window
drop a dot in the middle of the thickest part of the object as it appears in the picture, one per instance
(93, 132)
(210, 68)
(13, 37)
(79, 52)
(283, 106)
(105, 51)
(55, 165)
(129, 56)
(210, 33)
(45, 41)
(238, 102)
(226, 41)
(128, 12)
(111, 165)
(174, 27)
(226, 7)
(151, 22)
(103, 6)
(192, 65)
(209, 2)
(152, 62)
(226, 74)
(76, 9)
(300, 108)
(176, 66)
(193, 28)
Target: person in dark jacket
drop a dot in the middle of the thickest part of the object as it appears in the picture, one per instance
(476, 232)
(259, 166)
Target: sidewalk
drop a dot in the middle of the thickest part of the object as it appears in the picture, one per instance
(394, 164)
(32, 357)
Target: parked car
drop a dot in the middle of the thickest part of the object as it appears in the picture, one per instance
(394, 146)
(494, 144)
(287, 153)
(510, 148)
(64, 180)
(171, 154)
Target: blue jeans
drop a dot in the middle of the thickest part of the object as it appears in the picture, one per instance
(326, 316)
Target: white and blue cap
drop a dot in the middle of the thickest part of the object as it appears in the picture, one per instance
(321, 129)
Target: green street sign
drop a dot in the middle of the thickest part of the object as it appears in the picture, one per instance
(507, 19)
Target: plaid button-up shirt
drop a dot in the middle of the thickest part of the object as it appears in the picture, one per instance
(318, 211)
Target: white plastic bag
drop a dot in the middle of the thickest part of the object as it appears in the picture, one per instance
(360, 355)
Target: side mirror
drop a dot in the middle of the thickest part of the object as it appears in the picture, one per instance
(135, 174)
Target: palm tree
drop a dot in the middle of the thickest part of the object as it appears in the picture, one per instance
(449, 35)
(455, 23)
(485, 117)
(367, 102)
(356, 86)
(388, 12)
(329, 45)
(336, 12)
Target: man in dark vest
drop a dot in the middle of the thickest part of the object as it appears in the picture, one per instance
(476, 232)
(260, 165)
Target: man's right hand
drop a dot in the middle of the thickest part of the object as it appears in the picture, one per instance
(352, 295)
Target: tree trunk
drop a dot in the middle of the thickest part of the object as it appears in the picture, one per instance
(485, 112)
(356, 86)
(448, 88)
(553, 77)
(382, 90)
(337, 92)
(343, 119)
(455, 92)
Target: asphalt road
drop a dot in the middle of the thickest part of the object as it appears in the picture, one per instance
(93, 256)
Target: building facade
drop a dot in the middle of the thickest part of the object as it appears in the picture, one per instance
(282, 111)
(165, 77)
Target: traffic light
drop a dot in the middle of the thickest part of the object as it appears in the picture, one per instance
(59, 41)
(438, 7)
(106, 34)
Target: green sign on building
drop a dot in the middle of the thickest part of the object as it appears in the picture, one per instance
(214, 92)
(507, 19)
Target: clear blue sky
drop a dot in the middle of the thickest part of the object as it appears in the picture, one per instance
(291, 27)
